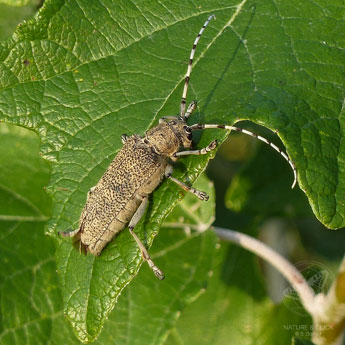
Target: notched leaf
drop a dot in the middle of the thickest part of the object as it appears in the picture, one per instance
(123, 73)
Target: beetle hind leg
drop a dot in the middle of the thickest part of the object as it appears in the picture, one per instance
(146, 256)
(77, 243)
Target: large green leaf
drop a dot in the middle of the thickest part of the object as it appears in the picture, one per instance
(30, 298)
(83, 73)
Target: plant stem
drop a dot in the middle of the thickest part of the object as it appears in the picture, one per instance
(293, 276)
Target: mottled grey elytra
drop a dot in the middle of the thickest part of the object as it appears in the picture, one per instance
(121, 195)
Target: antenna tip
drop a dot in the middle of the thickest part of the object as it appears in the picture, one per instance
(294, 183)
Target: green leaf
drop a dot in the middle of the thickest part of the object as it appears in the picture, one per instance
(189, 211)
(81, 75)
(31, 302)
(235, 309)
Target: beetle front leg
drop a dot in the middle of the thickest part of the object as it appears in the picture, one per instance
(200, 194)
(213, 144)
(134, 221)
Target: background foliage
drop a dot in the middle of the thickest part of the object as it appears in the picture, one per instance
(77, 69)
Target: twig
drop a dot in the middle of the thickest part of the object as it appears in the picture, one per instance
(293, 276)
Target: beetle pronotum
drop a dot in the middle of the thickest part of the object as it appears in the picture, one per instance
(121, 195)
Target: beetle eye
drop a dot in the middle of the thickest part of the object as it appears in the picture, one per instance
(187, 129)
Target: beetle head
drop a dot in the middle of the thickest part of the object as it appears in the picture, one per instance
(170, 135)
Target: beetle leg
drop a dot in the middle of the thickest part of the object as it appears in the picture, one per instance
(124, 138)
(134, 221)
(200, 194)
(69, 233)
(202, 151)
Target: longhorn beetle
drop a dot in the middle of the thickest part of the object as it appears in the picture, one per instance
(121, 195)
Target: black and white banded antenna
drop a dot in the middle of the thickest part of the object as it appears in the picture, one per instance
(184, 115)
(201, 126)
(189, 68)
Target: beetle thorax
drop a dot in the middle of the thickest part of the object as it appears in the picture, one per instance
(168, 137)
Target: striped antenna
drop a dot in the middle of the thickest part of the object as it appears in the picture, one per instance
(189, 69)
(232, 128)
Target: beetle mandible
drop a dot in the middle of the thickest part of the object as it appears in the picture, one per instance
(121, 195)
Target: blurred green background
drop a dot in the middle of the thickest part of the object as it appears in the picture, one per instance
(11, 16)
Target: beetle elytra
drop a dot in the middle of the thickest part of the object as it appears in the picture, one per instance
(121, 195)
